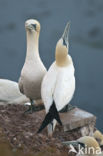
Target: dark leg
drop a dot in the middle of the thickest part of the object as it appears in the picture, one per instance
(70, 107)
(31, 108)
(67, 108)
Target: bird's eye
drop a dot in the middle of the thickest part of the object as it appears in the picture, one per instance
(64, 43)
(101, 146)
(98, 140)
(34, 26)
(81, 144)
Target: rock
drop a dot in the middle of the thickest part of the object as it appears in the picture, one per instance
(78, 118)
(21, 132)
(87, 130)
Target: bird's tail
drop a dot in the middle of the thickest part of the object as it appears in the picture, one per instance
(52, 114)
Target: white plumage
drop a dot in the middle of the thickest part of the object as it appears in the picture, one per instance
(9, 92)
(33, 70)
(61, 85)
(58, 84)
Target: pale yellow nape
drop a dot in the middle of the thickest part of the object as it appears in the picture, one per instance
(90, 143)
(61, 54)
(33, 21)
(98, 136)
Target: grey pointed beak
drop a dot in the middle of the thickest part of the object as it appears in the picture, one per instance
(66, 34)
(74, 143)
(28, 26)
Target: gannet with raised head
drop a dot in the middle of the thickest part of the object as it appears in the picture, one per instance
(88, 146)
(58, 84)
(33, 70)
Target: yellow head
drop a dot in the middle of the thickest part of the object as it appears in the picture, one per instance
(86, 145)
(61, 52)
(99, 137)
(91, 145)
(32, 25)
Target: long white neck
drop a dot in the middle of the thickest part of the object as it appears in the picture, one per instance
(32, 45)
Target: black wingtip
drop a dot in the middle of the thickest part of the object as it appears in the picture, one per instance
(52, 114)
(39, 131)
(45, 122)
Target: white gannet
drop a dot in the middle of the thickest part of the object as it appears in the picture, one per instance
(33, 70)
(87, 146)
(99, 137)
(58, 84)
(9, 92)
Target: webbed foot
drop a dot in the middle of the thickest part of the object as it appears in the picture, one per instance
(67, 108)
(30, 110)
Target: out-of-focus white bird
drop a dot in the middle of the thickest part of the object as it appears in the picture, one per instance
(33, 70)
(99, 137)
(58, 85)
(88, 146)
(9, 92)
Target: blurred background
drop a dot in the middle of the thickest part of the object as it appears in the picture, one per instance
(86, 43)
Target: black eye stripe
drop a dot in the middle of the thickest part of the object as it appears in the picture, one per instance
(64, 43)
(83, 145)
(34, 25)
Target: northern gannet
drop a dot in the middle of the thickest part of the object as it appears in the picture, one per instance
(58, 84)
(99, 137)
(9, 92)
(87, 145)
(33, 70)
